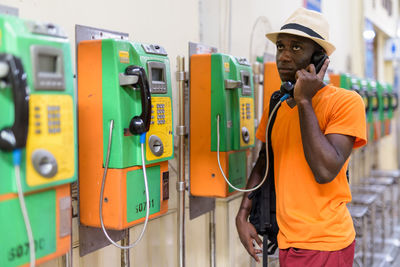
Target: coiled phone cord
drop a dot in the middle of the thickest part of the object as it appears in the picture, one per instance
(283, 98)
(17, 164)
(142, 141)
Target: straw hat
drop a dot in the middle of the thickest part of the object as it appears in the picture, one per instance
(309, 24)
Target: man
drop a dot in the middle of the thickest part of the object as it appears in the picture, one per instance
(312, 139)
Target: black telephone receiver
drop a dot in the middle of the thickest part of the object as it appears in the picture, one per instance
(394, 100)
(318, 59)
(141, 124)
(15, 136)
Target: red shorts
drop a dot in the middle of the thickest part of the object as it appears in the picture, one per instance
(294, 257)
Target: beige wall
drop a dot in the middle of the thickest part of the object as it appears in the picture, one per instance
(226, 24)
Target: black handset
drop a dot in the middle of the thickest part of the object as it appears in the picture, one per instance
(386, 101)
(367, 99)
(141, 124)
(375, 101)
(318, 59)
(15, 136)
(394, 100)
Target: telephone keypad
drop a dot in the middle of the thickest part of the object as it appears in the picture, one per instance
(54, 122)
(248, 111)
(160, 114)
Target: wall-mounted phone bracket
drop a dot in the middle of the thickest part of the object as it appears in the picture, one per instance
(83, 33)
(7, 10)
(92, 238)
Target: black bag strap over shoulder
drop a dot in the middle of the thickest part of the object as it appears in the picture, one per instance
(263, 211)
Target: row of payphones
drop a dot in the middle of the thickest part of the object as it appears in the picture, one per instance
(380, 100)
(124, 112)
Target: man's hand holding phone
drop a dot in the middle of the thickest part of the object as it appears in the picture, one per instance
(309, 82)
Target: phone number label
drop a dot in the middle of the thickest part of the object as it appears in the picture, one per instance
(21, 250)
(136, 193)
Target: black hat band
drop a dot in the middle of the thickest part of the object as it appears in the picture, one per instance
(295, 26)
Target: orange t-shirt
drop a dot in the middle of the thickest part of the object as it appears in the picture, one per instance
(311, 215)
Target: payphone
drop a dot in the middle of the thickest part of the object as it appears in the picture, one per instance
(125, 132)
(363, 92)
(368, 98)
(38, 151)
(380, 116)
(360, 86)
(342, 80)
(355, 85)
(375, 127)
(387, 99)
(367, 90)
(221, 123)
(394, 101)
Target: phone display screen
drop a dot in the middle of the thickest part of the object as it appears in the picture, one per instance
(47, 63)
(246, 80)
(157, 77)
(157, 74)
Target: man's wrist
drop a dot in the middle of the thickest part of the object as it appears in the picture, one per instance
(243, 213)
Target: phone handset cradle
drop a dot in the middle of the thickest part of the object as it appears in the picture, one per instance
(12, 73)
(233, 84)
(230, 85)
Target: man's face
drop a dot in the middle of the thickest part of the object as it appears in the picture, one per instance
(293, 53)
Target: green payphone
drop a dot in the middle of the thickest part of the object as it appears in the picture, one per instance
(355, 84)
(37, 126)
(389, 105)
(342, 80)
(367, 96)
(360, 86)
(125, 133)
(383, 106)
(374, 128)
(394, 101)
(221, 123)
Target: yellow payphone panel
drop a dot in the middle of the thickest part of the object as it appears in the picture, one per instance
(247, 119)
(161, 117)
(49, 157)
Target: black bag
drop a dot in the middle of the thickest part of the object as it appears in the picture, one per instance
(263, 209)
